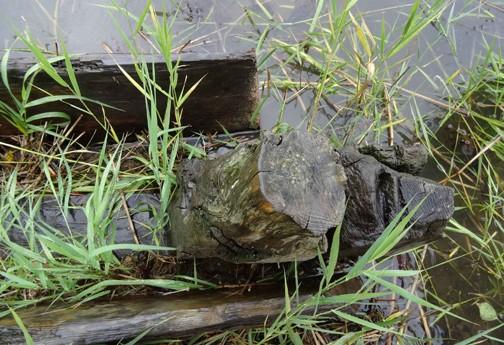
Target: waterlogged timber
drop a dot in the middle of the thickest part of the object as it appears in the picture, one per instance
(377, 193)
(405, 158)
(267, 201)
(225, 97)
(180, 315)
(272, 199)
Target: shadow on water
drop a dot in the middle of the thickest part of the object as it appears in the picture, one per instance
(206, 26)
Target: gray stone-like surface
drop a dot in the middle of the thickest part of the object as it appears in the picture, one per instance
(377, 193)
(405, 158)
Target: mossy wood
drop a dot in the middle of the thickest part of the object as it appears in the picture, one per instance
(268, 200)
(271, 200)
(179, 315)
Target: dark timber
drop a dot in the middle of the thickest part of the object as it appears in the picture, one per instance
(179, 315)
(377, 193)
(225, 98)
(269, 200)
(405, 158)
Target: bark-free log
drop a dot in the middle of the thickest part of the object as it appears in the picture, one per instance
(376, 194)
(267, 201)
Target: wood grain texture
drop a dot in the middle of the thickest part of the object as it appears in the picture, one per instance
(267, 201)
(377, 193)
(404, 158)
(225, 98)
(180, 315)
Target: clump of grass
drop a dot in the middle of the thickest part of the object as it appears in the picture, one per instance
(56, 266)
(472, 164)
(348, 68)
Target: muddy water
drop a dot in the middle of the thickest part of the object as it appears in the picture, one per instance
(208, 26)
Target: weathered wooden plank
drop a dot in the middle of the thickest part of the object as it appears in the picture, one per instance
(225, 98)
(179, 315)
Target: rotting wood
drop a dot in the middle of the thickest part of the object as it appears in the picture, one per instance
(224, 208)
(267, 201)
(377, 193)
(225, 98)
(405, 158)
(179, 315)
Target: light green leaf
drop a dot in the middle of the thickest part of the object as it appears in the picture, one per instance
(21, 325)
(487, 312)
(19, 282)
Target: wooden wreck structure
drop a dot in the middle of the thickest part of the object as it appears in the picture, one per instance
(274, 198)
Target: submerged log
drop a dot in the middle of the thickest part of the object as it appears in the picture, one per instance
(179, 315)
(225, 98)
(267, 201)
(377, 193)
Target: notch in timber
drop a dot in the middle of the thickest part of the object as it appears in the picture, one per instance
(225, 98)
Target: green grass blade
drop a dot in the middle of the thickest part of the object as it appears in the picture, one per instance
(21, 325)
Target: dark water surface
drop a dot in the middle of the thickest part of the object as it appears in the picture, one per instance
(209, 26)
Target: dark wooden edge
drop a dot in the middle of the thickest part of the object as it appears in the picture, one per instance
(225, 98)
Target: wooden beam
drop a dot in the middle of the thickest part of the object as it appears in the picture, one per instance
(225, 98)
(178, 315)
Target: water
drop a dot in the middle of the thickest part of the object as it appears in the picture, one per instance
(210, 26)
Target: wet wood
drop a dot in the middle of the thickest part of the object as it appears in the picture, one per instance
(179, 315)
(272, 200)
(267, 200)
(405, 158)
(377, 193)
(225, 98)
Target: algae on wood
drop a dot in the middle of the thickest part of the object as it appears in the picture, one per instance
(267, 201)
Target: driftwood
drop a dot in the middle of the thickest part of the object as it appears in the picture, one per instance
(179, 315)
(271, 200)
(225, 98)
(267, 201)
